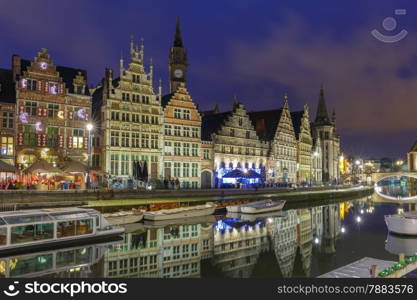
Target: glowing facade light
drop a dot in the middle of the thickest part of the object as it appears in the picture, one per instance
(316, 240)
(23, 117)
(81, 113)
(89, 126)
(38, 126)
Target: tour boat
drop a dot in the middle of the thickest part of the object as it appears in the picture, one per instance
(405, 223)
(181, 212)
(46, 228)
(125, 217)
(53, 262)
(262, 206)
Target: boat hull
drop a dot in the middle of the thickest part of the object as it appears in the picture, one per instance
(233, 208)
(259, 210)
(122, 220)
(152, 216)
(400, 225)
(109, 235)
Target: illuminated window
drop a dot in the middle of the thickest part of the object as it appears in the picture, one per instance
(7, 145)
(78, 139)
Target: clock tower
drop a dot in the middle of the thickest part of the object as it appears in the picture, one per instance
(177, 61)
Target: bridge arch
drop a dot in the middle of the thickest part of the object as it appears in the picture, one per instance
(377, 188)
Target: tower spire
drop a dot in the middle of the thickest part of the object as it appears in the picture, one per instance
(178, 38)
(286, 101)
(322, 116)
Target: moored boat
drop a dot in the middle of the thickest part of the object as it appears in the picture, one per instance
(124, 217)
(405, 223)
(257, 207)
(45, 228)
(181, 212)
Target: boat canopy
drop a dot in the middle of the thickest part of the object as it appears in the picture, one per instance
(46, 216)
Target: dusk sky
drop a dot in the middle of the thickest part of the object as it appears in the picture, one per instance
(258, 50)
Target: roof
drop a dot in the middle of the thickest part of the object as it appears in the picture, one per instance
(66, 73)
(212, 123)
(266, 123)
(322, 117)
(7, 88)
(297, 117)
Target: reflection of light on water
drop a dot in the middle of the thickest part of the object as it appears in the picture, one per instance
(316, 240)
(358, 219)
(343, 230)
(362, 211)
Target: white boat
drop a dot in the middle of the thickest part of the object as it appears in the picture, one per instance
(46, 228)
(233, 208)
(262, 206)
(405, 223)
(124, 217)
(182, 212)
(398, 245)
(208, 219)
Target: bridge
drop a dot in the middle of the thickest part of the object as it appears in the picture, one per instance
(375, 177)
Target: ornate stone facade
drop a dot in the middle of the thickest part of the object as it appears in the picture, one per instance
(236, 145)
(130, 117)
(53, 106)
(302, 130)
(182, 139)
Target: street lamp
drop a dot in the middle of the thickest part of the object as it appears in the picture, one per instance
(89, 127)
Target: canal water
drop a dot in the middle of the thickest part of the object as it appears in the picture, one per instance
(303, 241)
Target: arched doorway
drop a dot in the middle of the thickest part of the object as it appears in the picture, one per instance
(205, 179)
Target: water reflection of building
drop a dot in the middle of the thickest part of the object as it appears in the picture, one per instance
(331, 228)
(172, 251)
(237, 247)
(305, 238)
(80, 262)
(284, 241)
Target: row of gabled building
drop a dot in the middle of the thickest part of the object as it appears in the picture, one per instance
(45, 109)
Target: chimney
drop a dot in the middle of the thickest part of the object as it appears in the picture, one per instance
(16, 66)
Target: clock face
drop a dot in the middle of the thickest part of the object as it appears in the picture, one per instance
(43, 65)
(178, 73)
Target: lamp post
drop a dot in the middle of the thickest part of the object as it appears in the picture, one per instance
(89, 127)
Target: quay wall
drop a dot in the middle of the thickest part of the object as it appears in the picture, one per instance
(26, 199)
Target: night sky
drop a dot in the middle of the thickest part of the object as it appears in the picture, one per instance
(257, 50)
